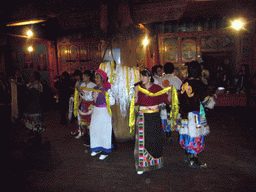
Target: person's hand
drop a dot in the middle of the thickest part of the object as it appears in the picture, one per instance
(170, 91)
(95, 96)
(81, 113)
(136, 89)
(79, 89)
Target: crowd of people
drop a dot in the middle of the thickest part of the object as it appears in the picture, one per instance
(166, 103)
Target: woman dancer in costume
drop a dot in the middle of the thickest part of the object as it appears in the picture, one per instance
(87, 104)
(33, 116)
(78, 77)
(149, 143)
(101, 120)
(193, 126)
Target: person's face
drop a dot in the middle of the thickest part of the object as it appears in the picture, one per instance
(145, 79)
(98, 80)
(159, 71)
(86, 78)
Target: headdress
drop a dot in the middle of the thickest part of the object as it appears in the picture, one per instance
(102, 73)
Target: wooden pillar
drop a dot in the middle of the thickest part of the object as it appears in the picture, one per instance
(52, 62)
(121, 124)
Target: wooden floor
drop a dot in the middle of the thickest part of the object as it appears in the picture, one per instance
(62, 164)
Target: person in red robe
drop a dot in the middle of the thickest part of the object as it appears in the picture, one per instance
(149, 136)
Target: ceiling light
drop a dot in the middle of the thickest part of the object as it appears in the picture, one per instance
(30, 49)
(30, 22)
(237, 24)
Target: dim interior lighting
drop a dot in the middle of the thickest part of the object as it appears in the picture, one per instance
(145, 41)
(237, 24)
(30, 22)
(29, 33)
(30, 49)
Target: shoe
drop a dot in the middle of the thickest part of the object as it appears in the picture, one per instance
(94, 153)
(186, 159)
(197, 165)
(79, 135)
(139, 172)
(102, 157)
(83, 132)
(75, 132)
(194, 163)
(86, 145)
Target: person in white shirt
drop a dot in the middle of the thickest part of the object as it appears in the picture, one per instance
(157, 71)
(169, 79)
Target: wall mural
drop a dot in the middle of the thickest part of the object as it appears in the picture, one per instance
(188, 50)
(216, 41)
(140, 54)
(171, 49)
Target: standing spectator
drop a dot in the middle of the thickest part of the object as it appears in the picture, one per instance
(5, 98)
(221, 76)
(21, 86)
(169, 79)
(63, 87)
(205, 73)
(243, 76)
(157, 73)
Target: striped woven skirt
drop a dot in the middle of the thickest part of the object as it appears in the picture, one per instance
(149, 142)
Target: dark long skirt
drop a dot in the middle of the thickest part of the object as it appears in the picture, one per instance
(149, 142)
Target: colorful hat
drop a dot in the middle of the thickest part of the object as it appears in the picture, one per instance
(102, 73)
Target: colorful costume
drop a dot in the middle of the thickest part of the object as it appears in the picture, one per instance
(148, 150)
(86, 104)
(33, 116)
(101, 124)
(193, 125)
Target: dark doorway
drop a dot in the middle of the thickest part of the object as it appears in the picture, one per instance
(213, 59)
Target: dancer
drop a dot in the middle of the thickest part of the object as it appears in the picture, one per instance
(33, 116)
(86, 103)
(74, 100)
(101, 121)
(193, 126)
(149, 143)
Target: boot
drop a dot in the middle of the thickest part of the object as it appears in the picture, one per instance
(187, 157)
(194, 163)
(75, 133)
(79, 135)
(84, 132)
